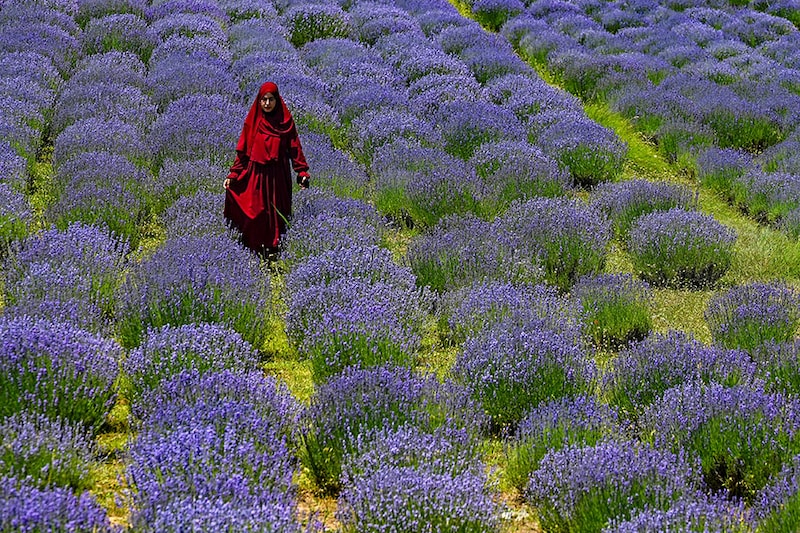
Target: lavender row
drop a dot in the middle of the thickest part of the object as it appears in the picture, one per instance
(214, 435)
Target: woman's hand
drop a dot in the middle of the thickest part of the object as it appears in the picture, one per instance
(227, 183)
(304, 182)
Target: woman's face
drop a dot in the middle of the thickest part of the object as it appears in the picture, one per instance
(268, 102)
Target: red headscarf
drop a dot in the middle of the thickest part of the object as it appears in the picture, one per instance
(260, 137)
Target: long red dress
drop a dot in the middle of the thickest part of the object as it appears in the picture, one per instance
(258, 200)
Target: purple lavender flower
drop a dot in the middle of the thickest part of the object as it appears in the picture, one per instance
(168, 8)
(720, 168)
(457, 38)
(709, 515)
(510, 369)
(83, 263)
(198, 46)
(776, 503)
(790, 223)
(309, 22)
(592, 153)
(473, 309)
(204, 393)
(355, 322)
(767, 196)
(204, 463)
(396, 497)
(178, 75)
(429, 61)
(15, 215)
(13, 168)
(89, 9)
(564, 237)
(584, 487)
(187, 25)
(124, 32)
(197, 215)
(374, 21)
(45, 451)
(623, 202)
(182, 133)
(554, 425)
(115, 67)
(110, 135)
(33, 66)
(49, 40)
(741, 435)
(183, 178)
(432, 90)
(196, 279)
(351, 404)
(461, 250)
(371, 263)
(617, 308)
(487, 64)
(103, 101)
(374, 129)
(680, 248)
(513, 170)
(334, 170)
(747, 316)
(24, 507)
(57, 369)
(465, 126)
(214, 513)
(172, 349)
(433, 21)
(644, 370)
(493, 14)
(445, 451)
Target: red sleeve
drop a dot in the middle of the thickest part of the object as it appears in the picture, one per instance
(238, 165)
(296, 154)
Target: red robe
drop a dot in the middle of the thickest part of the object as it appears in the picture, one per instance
(258, 200)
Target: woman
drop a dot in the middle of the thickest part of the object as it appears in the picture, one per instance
(258, 198)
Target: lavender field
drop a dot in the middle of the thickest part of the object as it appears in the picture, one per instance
(546, 277)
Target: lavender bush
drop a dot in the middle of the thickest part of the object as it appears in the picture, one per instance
(103, 100)
(185, 177)
(24, 507)
(721, 168)
(196, 279)
(492, 14)
(747, 316)
(742, 436)
(554, 425)
(352, 404)
(57, 369)
(200, 463)
(644, 370)
(82, 264)
(197, 215)
(767, 196)
(582, 488)
(592, 153)
(219, 397)
(181, 133)
(394, 498)
(355, 322)
(464, 313)
(778, 364)
(15, 216)
(112, 135)
(510, 369)
(623, 202)
(565, 237)
(461, 250)
(680, 248)
(172, 349)
(514, 170)
(617, 308)
(777, 503)
(124, 32)
(309, 22)
(465, 126)
(45, 451)
(711, 515)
